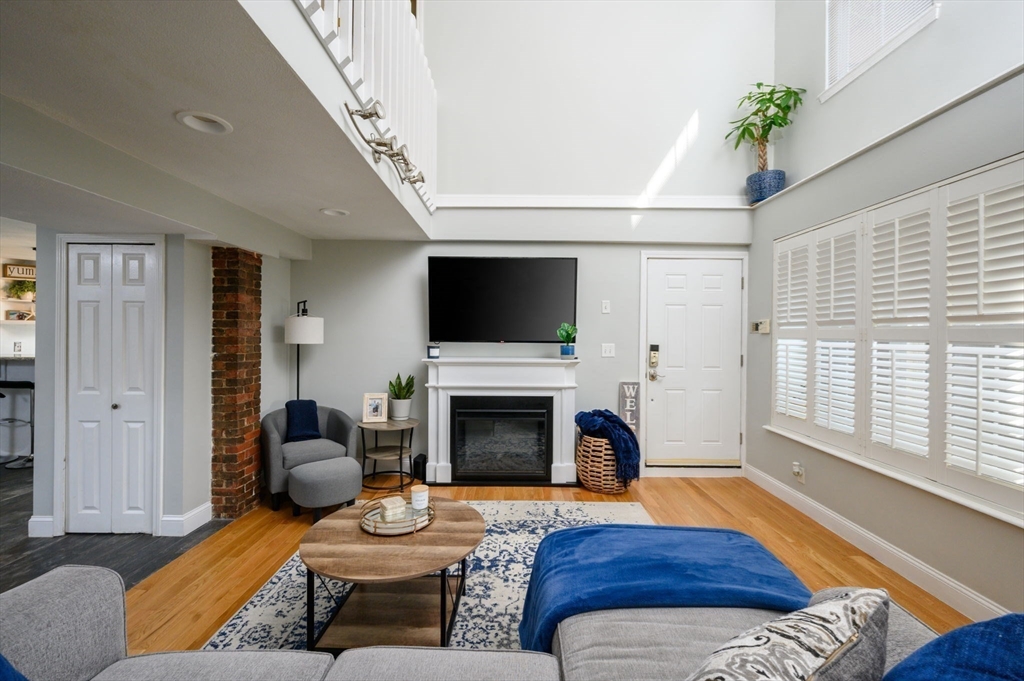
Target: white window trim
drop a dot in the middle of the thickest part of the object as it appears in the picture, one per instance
(885, 50)
(972, 502)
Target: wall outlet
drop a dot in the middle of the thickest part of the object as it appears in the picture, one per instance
(799, 473)
(606, 307)
(607, 349)
(761, 326)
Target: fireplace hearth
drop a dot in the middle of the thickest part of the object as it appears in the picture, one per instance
(501, 439)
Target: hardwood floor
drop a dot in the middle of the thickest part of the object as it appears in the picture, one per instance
(182, 605)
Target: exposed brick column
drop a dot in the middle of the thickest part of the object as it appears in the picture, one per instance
(236, 381)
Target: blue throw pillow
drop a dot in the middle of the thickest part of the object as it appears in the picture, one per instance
(302, 421)
(8, 672)
(985, 651)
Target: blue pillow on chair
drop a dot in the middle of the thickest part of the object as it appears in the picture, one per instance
(985, 651)
(303, 423)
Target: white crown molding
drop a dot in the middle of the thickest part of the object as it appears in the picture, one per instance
(40, 526)
(181, 525)
(726, 202)
(942, 586)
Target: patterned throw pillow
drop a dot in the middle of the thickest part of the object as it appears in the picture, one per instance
(838, 639)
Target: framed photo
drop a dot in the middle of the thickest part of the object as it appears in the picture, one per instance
(375, 407)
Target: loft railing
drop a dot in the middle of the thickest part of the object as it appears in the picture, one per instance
(379, 52)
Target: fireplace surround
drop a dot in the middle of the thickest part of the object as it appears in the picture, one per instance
(552, 380)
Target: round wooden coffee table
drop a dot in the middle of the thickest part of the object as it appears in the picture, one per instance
(397, 579)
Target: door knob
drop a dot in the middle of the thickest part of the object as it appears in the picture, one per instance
(653, 375)
(115, 406)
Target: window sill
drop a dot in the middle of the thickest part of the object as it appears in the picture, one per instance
(885, 50)
(948, 493)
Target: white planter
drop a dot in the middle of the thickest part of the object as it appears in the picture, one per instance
(400, 409)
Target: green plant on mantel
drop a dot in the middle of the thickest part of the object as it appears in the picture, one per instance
(19, 287)
(402, 390)
(771, 106)
(567, 333)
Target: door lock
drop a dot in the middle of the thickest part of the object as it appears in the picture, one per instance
(653, 375)
(115, 406)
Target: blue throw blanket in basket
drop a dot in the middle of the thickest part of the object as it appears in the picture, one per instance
(603, 567)
(603, 423)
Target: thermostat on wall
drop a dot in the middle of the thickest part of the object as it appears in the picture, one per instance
(433, 351)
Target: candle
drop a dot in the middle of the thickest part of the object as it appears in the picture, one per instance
(420, 494)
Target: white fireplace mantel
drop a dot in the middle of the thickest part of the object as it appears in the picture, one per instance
(512, 376)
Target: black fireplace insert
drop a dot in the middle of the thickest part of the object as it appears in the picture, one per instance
(498, 439)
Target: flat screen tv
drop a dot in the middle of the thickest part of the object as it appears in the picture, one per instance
(500, 300)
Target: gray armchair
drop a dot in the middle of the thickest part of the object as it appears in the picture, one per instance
(338, 439)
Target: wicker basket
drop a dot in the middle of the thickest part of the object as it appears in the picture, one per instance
(595, 465)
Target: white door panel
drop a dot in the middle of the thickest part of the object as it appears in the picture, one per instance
(114, 306)
(693, 395)
(89, 437)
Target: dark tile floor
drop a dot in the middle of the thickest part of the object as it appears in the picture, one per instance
(133, 556)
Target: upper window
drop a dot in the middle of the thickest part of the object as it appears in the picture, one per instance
(861, 32)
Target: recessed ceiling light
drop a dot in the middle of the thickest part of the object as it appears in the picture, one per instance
(204, 122)
(334, 212)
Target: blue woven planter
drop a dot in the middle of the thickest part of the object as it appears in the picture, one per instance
(764, 184)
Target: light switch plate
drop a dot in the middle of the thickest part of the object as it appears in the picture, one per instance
(761, 326)
(607, 349)
(606, 307)
(17, 347)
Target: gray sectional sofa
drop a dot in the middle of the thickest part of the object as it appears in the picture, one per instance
(69, 625)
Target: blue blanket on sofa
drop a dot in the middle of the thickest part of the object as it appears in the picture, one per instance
(603, 567)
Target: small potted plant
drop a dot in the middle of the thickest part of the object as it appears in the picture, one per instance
(567, 334)
(771, 106)
(401, 396)
(22, 289)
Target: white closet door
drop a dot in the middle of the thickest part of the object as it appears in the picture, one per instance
(89, 389)
(135, 310)
(114, 313)
(693, 395)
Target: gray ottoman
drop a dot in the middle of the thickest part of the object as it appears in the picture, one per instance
(324, 483)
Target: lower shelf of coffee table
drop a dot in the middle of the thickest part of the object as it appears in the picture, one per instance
(393, 614)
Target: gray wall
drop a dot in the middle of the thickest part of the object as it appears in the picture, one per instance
(276, 379)
(46, 351)
(975, 549)
(373, 297)
(971, 42)
(197, 372)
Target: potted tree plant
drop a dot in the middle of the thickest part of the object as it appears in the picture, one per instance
(567, 334)
(771, 106)
(401, 396)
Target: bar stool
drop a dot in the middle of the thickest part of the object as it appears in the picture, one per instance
(27, 462)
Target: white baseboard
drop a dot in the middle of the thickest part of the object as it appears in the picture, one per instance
(942, 586)
(40, 526)
(181, 525)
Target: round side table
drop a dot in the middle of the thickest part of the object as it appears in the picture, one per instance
(379, 452)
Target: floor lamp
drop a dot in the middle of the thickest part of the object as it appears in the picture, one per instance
(301, 329)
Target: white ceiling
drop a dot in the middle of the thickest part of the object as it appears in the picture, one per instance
(119, 71)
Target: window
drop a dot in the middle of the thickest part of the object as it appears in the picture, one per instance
(926, 378)
(859, 33)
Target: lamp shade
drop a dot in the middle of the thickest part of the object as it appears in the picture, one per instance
(302, 330)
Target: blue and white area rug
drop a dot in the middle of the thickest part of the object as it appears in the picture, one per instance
(489, 615)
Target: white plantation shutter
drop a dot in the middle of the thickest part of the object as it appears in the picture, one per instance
(834, 385)
(857, 29)
(985, 411)
(836, 280)
(791, 282)
(985, 257)
(900, 272)
(899, 396)
(791, 377)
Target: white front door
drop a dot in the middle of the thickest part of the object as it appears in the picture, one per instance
(694, 312)
(114, 301)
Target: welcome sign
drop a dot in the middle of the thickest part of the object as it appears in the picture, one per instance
(629, 404)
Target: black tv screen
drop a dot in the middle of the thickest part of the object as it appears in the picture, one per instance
(500, 300)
